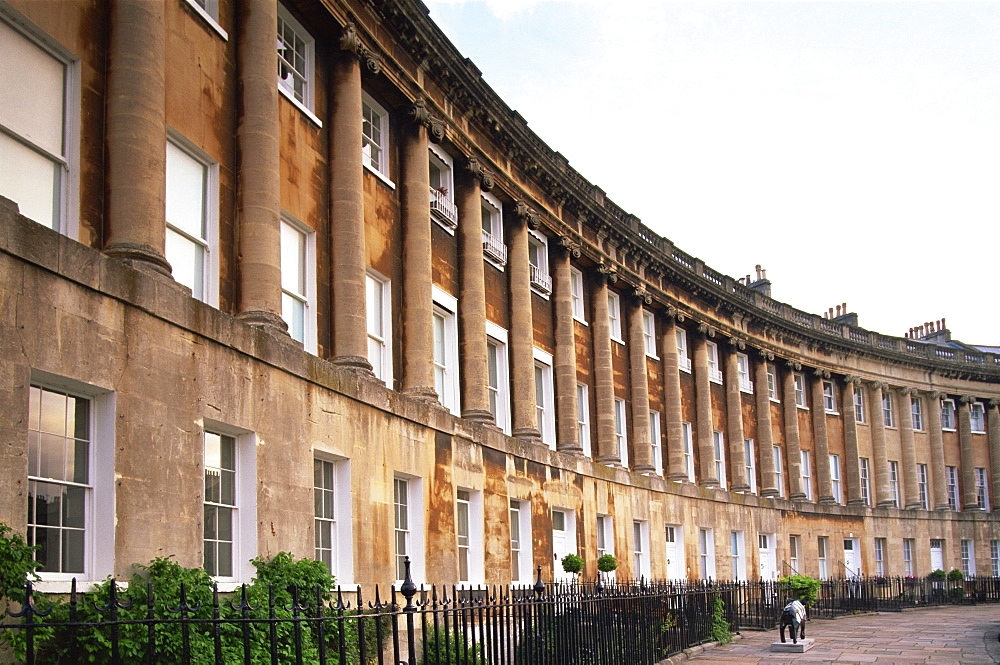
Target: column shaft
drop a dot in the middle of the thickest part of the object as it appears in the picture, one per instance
(993, 423)
(568, 432)
(522, 361)
(642, 460)
(851, 465)
(792, 448)
(880, 463)
(604, 389)
(348, 256)
(969, 499)
(672, 398)
(472, 301)
(418, 305)
(765, 439)
(137, 134)
(940, 489)
(911, 498)
(703, 411)
(734, 423)
(821, 443)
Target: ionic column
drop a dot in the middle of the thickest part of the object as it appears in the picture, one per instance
(672, 398)
(851, 465)
(522, 360)
(880, 463)
(348, 257)
(790, 411)
(604, 388)
(642, 461)
(472, 292)
(137, 132)
(821, 444)
(418, 305)
(568, 438)
(912, 498)
(993, 425)
(940, 482)
(969, 499)
(765, 440)
(703, 408)
(734, 419)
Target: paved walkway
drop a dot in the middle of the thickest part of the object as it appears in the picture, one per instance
(946, 635)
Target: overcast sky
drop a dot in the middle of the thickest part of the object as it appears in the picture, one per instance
(850, 148)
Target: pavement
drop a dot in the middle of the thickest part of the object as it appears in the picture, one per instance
(940, 635)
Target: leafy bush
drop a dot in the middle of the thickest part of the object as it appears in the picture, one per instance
(447, 646)
(802, 587)
(571, 563)
(955, 575)
(937, 576)
(957, 593)
(606, 563)
(719, 630)
(17, 564)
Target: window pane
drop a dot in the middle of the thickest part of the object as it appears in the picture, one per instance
(31, 106)
(187, 259)
(186, 181)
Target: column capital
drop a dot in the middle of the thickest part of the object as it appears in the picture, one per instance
(418, 114)
(475, 169)
(936, 394)
(706, 330)
(737, 343)
(675, 313)
(525, 213)
(793, 365)
(967, 399)
(878, 385)
(765, 355)
(350, 42)
(994, 403)
(568, 246)
(608, 272)
(907, 390)
(821, 373)
(853, 379)
(641, 295)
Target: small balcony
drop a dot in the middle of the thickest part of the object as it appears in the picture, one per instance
(540, 281)
(443, 209)
(494, 249)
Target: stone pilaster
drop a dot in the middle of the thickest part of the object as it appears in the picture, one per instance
(672, 398)
(642, 459)
(472, 294)
(568, 432)
(993, 426)
(911, 498)
(348, 256)
(821, 443)
(137, 133)
(522, 360)
(418, 304)
(734, 419)
(703, 408)
(790, 411)
(880, 462)
(765, 439)
(939, 498)
(604, 389)
(852, 453)
(968, 471)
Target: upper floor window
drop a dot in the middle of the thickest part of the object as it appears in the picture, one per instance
(583, 417)
(743, 370)
(799, 383)
(887, 409)
(894, 482)
(615, 316)
(917, 409)
(621, 434)
(977, 417)
(859, 404)
(750, 459)
(683, 359)
(779, 476)
(545, 408)
(806, 470)
(298, 282)
(443, 208)
(772, 385)
(209, 11)
(719, 451)
(835, 478)
(374, 136)
(378, 301)
(498, 384)
(192, 190)
(951, 480)
(39, 128)
(922, 492)
(538, 263)
(865, 476)
(948, 414)
(296, 49)
(649, 333)
(714, 372)
(576, 294)
(687, 441)
(656, 440)
(493, 246)
(982, 490)
(445, 325)
(829, 397)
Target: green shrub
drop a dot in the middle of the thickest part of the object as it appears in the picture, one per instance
(719, 630)
(447, 646)
(955, 575)
(571, 563)
(17, 564)
(937, 576)
(957, 593)
(802, 587)
(606, 563)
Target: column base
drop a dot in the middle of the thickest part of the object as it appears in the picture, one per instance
(709, 482)
(943, 508)
(678, 478)
(914, 506)
(608, 460)
(264, 319)
(140, 256)
(743, 488)
(570, 449)
(359, 363)
(770, 493)
(972, 508)
(827, 499)
(861, 503)
(422, 393)
(528, 435)
(647, 469)
(886, 504)
(797, 496)
(478, 416)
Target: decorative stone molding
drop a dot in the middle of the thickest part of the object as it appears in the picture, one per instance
(642, 295)
(878, 385)
(936, 394)
(674, 313)
(967, 399)
(609, 272)
(765, 355)
(853, 379)
(349, 41)
(907, 391)
(524, 212)
(476, 170)
(794, 365)
(821, 373)
(567, 244)
(994, 403)
(706, 330)
(738, 343)
(418, 114)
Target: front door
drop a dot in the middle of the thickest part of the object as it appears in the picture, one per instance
(852, 557)
(937, 554)
(766, 556)
(675, 552)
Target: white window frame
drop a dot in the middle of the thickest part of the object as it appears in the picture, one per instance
(583, 416)
(341, 563)
(640, 549)
(908, 566)
(474, 547)
(675, 568)
(414, 526)
(538, 275)
(520, 514)
(951, 478)
(750, 454)
(714, 370)
(605, 525)
(577, 295)
(210, 14)
(656, 440)
(977, 417)
(66, 162)
(968, 552)
(864, 471)
(772, 385)
(995, 557)
(835, 487)
(494, 249)
(880, 557)
(99, 491)
(779, 474)
(806, 468)
(380, 117)
(446, 307)
(569, 531)
(683, 357)
(621, 431)
(308, 298)
(649, 333)
(737, 555)
(208, 289)
(688, 443)
(982, 489)
(444, 212)
(244, 527)
(917, 411)
(497, 338)
(948, 413)
(615, 317)
(307, 103)
(546, 410)
(888, 414)
(922, 486)
(859, 404)
(793, 553)
(829, 397)
(743, 371)
(822, 550)
(719, 455)
(706, 553)
(894, 482)
(799, 385)
(380, 357)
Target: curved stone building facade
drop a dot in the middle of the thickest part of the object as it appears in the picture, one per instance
(336, 298)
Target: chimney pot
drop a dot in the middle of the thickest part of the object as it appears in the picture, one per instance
(943, 324)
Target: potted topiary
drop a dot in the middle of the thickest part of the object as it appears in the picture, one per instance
(607, 563)
(955, 575)
(937, 576)
(572, 563)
